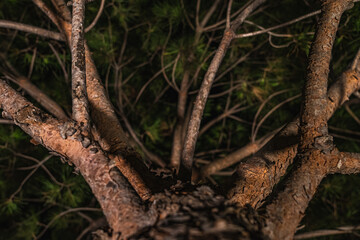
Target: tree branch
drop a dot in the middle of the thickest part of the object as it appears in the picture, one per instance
(287, 208)
(236, 156)
(79, 97)
(121, 205)
(346, 163)
(261, 172)
(31, 29)
(199, 105)
(12, 74)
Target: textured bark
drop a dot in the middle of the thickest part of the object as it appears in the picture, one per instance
(113, 138)
(313, 117)
(108, 132)
(120, 204)
(285, 212)
(80, 105)
(345, 163)
(132, 176)
(287, 208)
(255, 177)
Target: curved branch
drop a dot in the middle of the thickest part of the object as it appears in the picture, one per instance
(261, 172)
(287, 208)
(201, 99)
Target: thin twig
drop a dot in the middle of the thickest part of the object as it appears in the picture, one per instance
(327, 232)
(93, 23)
(31, 29)
(244, 35)
(199, 106)
(28, 177)
(64, 213)
(271, 111)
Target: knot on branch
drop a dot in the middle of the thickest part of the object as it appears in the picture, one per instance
(324, 143)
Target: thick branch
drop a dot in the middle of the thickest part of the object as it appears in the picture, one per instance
(257, 176)
(346, 163)
(313, 117)
(287, 208)
(79, 96)
(201, 99)
(108, 131)
(121, 205)
(31, 29)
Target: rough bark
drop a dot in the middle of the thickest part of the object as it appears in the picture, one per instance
(120, 204)
(255, 177)
(80, 105)
(287, 208)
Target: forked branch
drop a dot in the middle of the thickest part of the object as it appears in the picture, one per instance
(287, 208)
(201, 99)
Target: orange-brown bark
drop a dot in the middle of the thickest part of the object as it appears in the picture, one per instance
(120, 204)
(108, 131)
(256, 176)
(287, 208)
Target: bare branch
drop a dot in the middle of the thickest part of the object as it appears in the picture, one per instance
(108, 185)
(93, 23)
(327, 232)
(267, 30)
(261, 172)
(236, 156)
(40, 4)
(31, 29)
(34, 91)
(62, 9)
(78, 70)
(199, 106)
(346, 163)
(181, 108)
(287, 208)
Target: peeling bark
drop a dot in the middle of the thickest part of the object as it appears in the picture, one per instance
(121, 205)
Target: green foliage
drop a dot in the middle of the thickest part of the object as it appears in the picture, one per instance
(131, 43)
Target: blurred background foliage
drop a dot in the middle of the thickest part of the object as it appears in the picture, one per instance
(132, 41)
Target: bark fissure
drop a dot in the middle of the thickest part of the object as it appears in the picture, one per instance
(120, 203)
